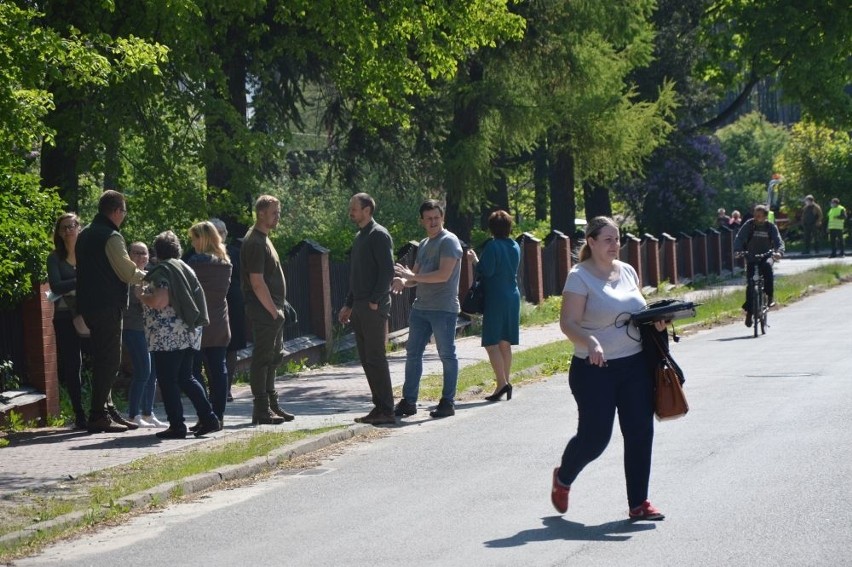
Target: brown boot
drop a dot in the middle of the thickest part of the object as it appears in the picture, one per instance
(276, 409)
(262, 415)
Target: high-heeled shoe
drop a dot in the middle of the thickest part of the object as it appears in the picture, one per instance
(495, 397)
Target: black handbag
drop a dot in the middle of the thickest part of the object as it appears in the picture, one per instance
(474, 299)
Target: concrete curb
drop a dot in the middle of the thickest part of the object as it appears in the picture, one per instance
(199, 482)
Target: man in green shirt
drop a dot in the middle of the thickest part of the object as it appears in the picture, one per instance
(264, 290)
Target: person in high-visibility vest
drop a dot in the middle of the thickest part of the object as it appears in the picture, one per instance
(836, 216)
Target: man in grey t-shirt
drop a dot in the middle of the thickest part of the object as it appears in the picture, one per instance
(435, 310)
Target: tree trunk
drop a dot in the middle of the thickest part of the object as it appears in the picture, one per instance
(465, 124)
(227, 167)
(112, 163)
(498, 199)
(563, 204)
(540, 165)
(597, 200)
(59, 159)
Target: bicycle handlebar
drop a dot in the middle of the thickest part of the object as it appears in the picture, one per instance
(756, 257)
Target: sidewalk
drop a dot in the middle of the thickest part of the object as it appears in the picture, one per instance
(331, 395)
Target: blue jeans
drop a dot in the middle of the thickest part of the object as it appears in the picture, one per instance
(143, 387)
(422, 325)
(626, 385)
(217, 374)
(174, 368)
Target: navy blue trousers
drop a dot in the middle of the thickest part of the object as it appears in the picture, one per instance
(625, 385)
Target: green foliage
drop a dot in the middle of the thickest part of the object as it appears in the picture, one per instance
(9, 378)
(804, 43)
(26, 228)
(751, 146)
(818, 161)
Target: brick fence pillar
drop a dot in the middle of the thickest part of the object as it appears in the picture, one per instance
(40, 350)
(319, 280)
(633, 249)
(670, 258)
(533, 277)
(652, 260)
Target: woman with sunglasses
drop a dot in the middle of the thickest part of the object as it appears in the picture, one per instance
(62, 278)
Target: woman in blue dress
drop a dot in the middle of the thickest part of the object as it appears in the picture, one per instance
(498, 269)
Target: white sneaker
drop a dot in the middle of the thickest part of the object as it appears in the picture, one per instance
(142, 422)
(152, 419)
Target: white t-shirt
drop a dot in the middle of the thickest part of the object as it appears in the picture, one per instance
(608, 308)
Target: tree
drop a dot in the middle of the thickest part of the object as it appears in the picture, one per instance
(818, 161)
(804, 43)
(33, 56)
(752, 147)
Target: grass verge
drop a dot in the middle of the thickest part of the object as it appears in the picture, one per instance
(95, 496)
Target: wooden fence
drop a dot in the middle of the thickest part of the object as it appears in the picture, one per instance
(317, 287)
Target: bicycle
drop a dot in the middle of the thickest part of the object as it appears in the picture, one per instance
(759, 299)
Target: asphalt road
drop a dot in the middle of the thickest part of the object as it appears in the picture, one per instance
(757, 474)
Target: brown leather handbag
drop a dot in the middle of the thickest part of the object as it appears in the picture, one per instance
(669, 398)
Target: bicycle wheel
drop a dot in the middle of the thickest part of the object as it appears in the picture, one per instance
(756, 310)
(764, 314)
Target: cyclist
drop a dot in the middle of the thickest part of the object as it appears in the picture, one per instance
(759, 236)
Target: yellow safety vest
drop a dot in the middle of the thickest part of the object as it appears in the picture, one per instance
(834, 220)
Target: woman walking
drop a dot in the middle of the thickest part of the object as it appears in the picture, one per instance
(609, 371)
(498, 269)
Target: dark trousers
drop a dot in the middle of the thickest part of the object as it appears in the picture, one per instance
(174, 374)
(213, 358)
(70, 360)
(811, 235)
(835, 237)
(268, 345)
(768, 281)
(105, 341)
(625, 385)
(371, 329)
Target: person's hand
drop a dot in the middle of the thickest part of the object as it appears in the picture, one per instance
(596, 353)
(343, 316)
(776, 256)
(279, 314)
(402, 271)
(373, 306)
(661, 325)
(473, 257)
(398, 285)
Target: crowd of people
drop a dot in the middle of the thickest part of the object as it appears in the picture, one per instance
(174, 315)
(178, 314)
(181, 317)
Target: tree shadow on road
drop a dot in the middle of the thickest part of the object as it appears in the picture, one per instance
(557, 528)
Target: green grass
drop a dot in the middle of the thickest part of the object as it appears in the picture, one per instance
(97, 494)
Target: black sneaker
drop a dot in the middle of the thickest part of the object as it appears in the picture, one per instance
(404, 408)
(748, 320)
(445, 409)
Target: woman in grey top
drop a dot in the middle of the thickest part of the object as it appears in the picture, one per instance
(609, 371)
(62, 278)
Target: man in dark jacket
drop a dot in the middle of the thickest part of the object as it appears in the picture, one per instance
(811, 224)
(368, 304)
(759, 236)
(104, 271)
